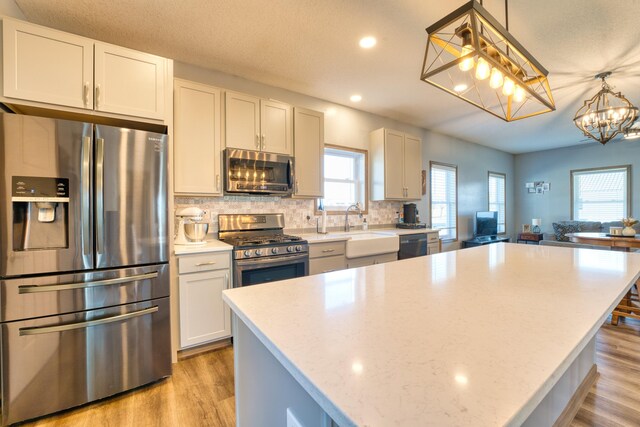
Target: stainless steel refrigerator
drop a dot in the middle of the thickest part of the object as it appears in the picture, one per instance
(84, 274)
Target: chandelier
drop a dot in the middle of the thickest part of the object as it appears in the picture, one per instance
(470, 55)
(606, 115)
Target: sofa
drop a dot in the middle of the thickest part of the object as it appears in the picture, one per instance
(560, 228)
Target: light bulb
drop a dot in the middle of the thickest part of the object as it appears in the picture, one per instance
(496, 78)
(468, 63)
(483, 69)
(508, 87)
(519, 94)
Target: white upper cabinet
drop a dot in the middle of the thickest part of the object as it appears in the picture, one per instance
(242, 124)
(128, 82)
(396, 160)
(252, 123)
(308, 143)
(44, 65)
(196, 146)
(41, 65)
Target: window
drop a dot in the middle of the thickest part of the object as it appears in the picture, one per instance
(345, 172)
(444, 199)
(600, 194)
(498, 198)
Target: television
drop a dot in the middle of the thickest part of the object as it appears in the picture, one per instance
(486, 224)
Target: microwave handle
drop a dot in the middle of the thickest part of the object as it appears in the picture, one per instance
(290, 173)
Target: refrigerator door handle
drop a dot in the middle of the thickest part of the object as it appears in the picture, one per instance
(86, 191)
(99, 196)
(32, 289)
(38, 330)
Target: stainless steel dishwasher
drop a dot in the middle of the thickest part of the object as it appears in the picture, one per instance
(412, 245)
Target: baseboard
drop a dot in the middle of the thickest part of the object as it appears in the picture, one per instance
(194, 351)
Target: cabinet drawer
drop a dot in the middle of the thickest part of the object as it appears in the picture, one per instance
(327, 264)
(433, 237)
(203, 262)
(318, 250)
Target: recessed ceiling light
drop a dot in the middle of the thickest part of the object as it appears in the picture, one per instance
(459, 88)
(368, 42)
(356, 98)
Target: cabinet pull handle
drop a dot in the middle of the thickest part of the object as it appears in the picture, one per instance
(328, 250)
(85, 93)
(263, 144)
(200, 264)
(97, 96)
(297, 190)
(257, 141)
(218, 182)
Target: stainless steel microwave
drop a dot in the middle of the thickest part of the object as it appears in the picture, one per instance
(256, 172)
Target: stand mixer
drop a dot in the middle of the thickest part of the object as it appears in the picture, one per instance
(190, 230)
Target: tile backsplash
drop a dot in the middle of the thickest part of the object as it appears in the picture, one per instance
(295, 210)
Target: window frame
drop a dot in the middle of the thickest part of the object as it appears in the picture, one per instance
(365, 209)
(504, 177)
(447, 165)
(627, 169)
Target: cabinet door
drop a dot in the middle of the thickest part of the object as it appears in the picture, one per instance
(242, 121)
(393, 165)
(203, 315)
(47, 66)
(309, 152)
(196, 143)
(128, 82)
(275, 125)
(412, 167)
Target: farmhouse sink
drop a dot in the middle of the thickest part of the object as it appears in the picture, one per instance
(366, 244)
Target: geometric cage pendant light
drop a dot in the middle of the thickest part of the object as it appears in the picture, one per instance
(470, 55)
(605, 115)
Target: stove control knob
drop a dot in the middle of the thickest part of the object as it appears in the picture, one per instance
(274, 250)
(289, 248)
(258, 252)
(247, 253)
(298, 248)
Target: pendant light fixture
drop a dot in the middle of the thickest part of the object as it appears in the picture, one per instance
(606, 115)
(470, 49)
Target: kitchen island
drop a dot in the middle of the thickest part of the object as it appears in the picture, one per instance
(495, 335)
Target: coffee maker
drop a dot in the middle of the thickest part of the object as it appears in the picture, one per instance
(410, 215)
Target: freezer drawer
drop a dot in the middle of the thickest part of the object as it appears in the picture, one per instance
(26, 298)
(57, 362)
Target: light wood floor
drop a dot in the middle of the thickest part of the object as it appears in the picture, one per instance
(200, 392)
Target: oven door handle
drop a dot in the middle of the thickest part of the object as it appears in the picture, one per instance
(250, 262)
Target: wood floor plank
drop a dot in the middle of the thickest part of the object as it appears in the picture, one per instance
(201, 391)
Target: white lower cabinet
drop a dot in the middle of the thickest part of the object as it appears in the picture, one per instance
(204, 317)
(371, 260)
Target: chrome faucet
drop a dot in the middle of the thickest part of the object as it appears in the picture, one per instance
(347, 227)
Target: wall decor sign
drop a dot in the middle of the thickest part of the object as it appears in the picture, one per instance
(538, 187)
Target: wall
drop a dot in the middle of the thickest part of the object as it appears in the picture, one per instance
(474, 163)
(554, 166)
(349, 127)
(10, 8)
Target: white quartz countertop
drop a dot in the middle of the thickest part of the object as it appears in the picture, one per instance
(474, 337)
(335, 236)
(212, 245)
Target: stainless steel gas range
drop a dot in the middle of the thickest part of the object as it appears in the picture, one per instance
(261, 251)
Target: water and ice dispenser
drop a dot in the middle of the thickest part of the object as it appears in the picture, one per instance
(40, 213)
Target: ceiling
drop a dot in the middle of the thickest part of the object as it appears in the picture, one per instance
(311, 47)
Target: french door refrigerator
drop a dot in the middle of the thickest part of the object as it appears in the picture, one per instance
(84, 274)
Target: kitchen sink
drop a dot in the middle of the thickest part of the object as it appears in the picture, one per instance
(366, 244)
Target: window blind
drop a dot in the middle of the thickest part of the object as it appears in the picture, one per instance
(497, 198)
(344, 179)
(600, 195)
(444, 203)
